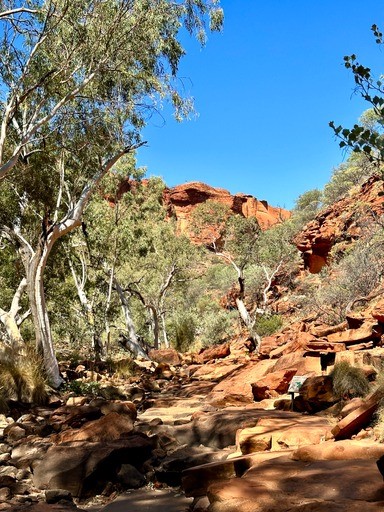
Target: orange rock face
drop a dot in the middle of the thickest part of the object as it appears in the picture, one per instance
(339, 224)
(182, 199)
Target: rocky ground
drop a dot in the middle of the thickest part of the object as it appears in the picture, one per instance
(217, 427)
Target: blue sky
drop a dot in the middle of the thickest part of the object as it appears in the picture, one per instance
(265, 90)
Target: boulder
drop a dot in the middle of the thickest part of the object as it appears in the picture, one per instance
(237, 387)
(83, 468)
(107, 428)
(358, 418)
(273, 384)
(130, 477)
(167, 355)
(215, 352)
(316, 394)
(29, 452)
(73, 416)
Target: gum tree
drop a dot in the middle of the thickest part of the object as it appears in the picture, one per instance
(78, 82)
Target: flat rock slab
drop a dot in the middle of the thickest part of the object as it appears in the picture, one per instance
(171, 409)
(282, 484)
(148, 500)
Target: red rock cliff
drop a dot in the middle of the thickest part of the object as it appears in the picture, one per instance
(340, 223)
(182, 199)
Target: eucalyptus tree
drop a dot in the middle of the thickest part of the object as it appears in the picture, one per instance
(232, 238)
(78, 81)
(152, 260)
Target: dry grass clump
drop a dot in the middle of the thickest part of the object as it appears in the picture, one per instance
(21, 378)
(349, 381)
(124, 368)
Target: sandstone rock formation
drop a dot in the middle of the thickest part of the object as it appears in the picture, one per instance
(339, 224)
(182, 199)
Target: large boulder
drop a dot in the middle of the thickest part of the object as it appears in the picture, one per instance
(316, 394)
(273, 384)
(84, 468)
(107, 428)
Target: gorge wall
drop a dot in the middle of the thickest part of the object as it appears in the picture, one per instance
(182, 199)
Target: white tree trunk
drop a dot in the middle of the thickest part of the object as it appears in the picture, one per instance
(11, 320)
(34, 268)
(132, 342)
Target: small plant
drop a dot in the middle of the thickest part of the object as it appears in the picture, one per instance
(268, 324)
(82, 388)
(348, 381)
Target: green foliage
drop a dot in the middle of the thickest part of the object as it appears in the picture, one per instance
(348, 381)
(83, 388)
(347, 175)
(268, 324)
(310, 200)
(184, 331)
(365, 139)
(356, 275)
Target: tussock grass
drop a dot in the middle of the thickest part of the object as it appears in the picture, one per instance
(349, 381)
(21, 378)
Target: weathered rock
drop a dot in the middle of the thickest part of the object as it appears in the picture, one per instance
(73, 416)
(56, 495)
(15, 432)
(215, 372)
(118, 406)
(215, 352)
(368, 331)
(30, 452)
(358, 418)
(169, 356)
(348, 449)
(182, 199)
(337, 224)
(107, 428)
(316, 394)
(287, 432)
(82, 467)
(130, 477)
(236, 389)
(170, 470)
(196, 480)
(273, 384)
(378, 311)
(279, 485)
(304, 365)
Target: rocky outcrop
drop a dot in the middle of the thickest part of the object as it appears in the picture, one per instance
(339, 224)
(182, 199)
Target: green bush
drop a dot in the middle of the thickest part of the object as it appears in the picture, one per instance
(348, 381)
(82, 388)
(268, 324)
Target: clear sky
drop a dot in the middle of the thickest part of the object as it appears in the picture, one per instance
(265, 90)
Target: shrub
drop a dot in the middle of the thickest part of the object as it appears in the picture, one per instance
(348, 381)
(82, 388)
(268, 324)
